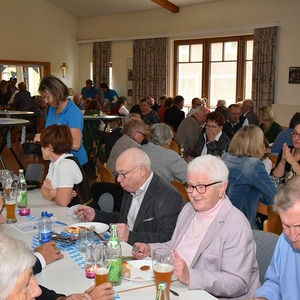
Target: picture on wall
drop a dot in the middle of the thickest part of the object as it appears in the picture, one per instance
(294, 75)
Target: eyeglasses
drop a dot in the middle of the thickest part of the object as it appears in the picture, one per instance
(200, 188)
(141, 133)
(123, 175)
(295, 134)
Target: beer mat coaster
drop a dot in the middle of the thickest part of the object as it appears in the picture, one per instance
(71, 249)
(117, 297)
(32, 225)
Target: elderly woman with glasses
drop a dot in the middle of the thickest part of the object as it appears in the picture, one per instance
(289, 158)
(213, 243)
(212, 141)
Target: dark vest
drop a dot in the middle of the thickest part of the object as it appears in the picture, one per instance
(84, 195)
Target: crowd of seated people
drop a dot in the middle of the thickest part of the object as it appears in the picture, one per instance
(226, 179)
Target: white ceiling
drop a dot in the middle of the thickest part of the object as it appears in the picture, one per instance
(93, 8)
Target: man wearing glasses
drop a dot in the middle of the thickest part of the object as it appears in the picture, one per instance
(150, 205)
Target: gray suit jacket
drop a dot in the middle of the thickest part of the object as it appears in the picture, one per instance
(157, 215)
(225, 263)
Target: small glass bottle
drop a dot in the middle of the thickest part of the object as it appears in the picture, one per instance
(21, 190)
(162, 291)
(114, 257)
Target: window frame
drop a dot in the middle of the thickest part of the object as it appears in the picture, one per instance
(241, 63)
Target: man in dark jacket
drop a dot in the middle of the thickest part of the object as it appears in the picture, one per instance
(150, 205)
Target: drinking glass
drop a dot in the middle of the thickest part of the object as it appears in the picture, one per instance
(10, 205)
(163, 266)
(84, 238)
(5, 178)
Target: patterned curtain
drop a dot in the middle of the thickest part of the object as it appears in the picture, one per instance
(101, 62)
(149, 68)
(263, 76)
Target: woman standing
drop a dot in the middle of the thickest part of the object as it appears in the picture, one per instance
(249, 181)
(63, 111)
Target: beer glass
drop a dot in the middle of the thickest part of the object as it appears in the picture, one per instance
(101, 264)
(10, 205)
(163, 266)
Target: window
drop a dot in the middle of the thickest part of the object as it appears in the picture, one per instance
(25, 71)
(219, 68)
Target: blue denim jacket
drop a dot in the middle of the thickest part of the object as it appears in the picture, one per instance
(248, 183)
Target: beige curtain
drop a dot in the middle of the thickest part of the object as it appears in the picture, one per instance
(149, 68)
(264, 59)
(101, 62)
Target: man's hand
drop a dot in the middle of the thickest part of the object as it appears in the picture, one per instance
(101, 292)
(123, 232)
(50, 252)
(141, 250)
(85, 213)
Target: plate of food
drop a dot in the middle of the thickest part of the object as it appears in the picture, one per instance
(137, 270)
(95, 226)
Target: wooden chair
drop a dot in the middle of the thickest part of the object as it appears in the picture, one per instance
(273, 157)
(104, 174)
(273, 223)
(174, 146)
(40, 124)
(181, 189)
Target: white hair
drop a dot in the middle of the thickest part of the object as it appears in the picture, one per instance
(212, 166)
(137, 157)
(15, 258)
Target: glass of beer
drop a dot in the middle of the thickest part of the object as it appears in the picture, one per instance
(101, 269)
(163, 266)
(10, 205)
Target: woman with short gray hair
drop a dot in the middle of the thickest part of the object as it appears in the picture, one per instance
(16, 262)
(165, 162)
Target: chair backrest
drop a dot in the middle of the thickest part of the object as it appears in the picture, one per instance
(273, 157)
(181, 189)
(104, 174)
(174, 146)
(265, 245)
(35, 172)
(108, 196)
(273, 223)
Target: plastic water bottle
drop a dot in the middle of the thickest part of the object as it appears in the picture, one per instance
(21, 190)
(114, 257)
(45, 227)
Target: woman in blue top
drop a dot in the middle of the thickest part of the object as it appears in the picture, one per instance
(63, 111)
(249, 181)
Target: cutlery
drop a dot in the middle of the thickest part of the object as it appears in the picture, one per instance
(174, 293)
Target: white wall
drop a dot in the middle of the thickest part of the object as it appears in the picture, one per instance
(35, 30)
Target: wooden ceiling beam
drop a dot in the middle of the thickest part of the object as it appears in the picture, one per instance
(167, 5)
